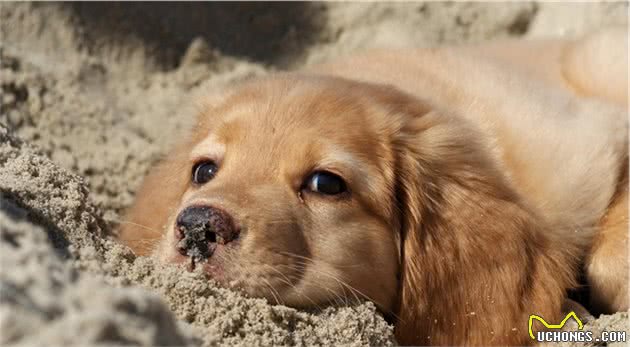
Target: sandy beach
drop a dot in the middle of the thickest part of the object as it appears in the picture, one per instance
(92, 95)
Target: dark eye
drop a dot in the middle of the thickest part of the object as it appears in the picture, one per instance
(325, 183)
(204, 171)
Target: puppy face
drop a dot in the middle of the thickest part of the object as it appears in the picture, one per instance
(302, 176)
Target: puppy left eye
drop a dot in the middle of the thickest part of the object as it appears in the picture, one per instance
(204, 172)
(326, 183)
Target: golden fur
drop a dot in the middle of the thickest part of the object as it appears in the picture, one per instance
(479, 179)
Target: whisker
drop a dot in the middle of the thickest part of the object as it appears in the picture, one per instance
(336, 297)
(273, 291)
(119, 221)
(327, 274)
(321, 261)
(288, 282)
(353, 290)
(144, 240)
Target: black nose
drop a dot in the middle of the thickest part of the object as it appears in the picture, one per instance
(200, 228)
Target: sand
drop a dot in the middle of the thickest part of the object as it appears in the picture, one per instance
(92, 95)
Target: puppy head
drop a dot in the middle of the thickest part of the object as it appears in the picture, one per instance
(315, 190)
(292, 180)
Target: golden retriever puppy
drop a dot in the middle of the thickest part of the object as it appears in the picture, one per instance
(459, 189)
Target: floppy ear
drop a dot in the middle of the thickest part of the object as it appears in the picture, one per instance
(475, 260)
(143, 225)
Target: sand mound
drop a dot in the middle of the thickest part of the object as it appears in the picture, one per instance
(92, 95)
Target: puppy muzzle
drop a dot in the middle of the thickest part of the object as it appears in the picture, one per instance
(200, 229)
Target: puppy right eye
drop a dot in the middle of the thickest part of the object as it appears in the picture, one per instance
(326, 183)
(204, 171)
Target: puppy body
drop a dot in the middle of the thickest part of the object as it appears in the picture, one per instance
(478, 179)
